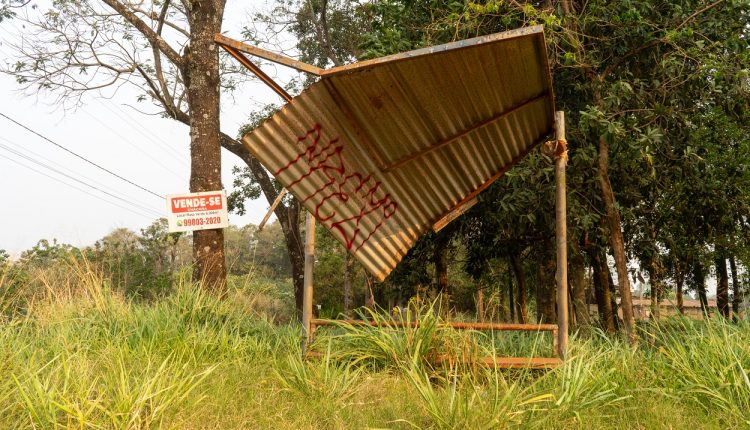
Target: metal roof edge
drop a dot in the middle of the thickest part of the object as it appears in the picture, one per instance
(459, 44)
(548, 73)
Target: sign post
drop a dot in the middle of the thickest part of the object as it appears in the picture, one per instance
(197, 211)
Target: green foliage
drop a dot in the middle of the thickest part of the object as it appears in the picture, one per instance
(142, 265)
(56, 393)
(245, 183)
(665, 86)
(7, 8)
(330, 262)
(261, 253)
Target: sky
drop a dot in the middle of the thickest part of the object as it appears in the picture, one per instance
(151, 151)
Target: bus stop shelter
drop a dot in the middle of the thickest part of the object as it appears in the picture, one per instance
(381, 151)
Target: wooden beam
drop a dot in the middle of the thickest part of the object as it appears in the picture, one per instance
(431, 50)
(307, 289)
(258, 72)
(561, 233)
(456, 212)
(506, 362)
(267, 55)
(454, 325)
(272, 209)
(497, 362)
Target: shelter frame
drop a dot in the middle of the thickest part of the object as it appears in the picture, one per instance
(556, 148)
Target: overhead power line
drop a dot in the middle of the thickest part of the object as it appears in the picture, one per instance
(76, 188)
(29, 129)
(126, 140)
(40, 157)
(143, 131)
(94, 187)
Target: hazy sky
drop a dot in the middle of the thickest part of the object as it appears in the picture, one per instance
(149, 150)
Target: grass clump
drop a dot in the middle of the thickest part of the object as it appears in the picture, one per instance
(706, 364)
(80, 355)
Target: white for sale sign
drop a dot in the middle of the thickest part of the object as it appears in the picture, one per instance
(197, 211)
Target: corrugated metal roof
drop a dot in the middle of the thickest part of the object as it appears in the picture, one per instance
(381, 150)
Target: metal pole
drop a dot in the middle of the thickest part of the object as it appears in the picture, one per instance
(561, 277)
(307, 289)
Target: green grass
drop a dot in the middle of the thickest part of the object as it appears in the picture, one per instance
(83, 357)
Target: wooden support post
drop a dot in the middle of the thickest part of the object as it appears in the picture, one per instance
(307, 289)
(561, 231)
(275, 203)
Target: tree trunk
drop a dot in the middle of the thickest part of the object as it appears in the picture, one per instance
(601, 291)
(613, 297)
(703, 298)
(289, 218)
(511, 298)
(369, 293)
(616, 240)
(736, 290)
(348, 265)
(722, 285)
(440, 259)
(523, 312)
(202, 84)
(655, 281)
(573, 323)
(577, 281)
(699, 283)
(502, 306)
(545, 289)
(659, 294)
(679, 278)
(480, 304)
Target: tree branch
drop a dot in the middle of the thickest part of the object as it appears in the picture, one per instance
(257, 169)
(167, 99)
(698, 12)
(152, 16)
(150, 35)
(327, 36)
(635, 51)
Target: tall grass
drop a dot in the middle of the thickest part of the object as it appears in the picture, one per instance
(706, 364)
(83, 356)
(382, 347)
(461, 394)
(77, 354)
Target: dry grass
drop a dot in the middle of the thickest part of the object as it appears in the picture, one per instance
(82, 356)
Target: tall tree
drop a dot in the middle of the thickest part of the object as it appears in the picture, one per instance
(165, 48)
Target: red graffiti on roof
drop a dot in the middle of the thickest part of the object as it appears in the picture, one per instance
(349, 201)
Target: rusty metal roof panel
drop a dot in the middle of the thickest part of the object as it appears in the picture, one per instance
(381, 150)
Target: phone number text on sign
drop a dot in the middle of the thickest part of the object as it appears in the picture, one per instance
(189, 222)
(197, 211)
